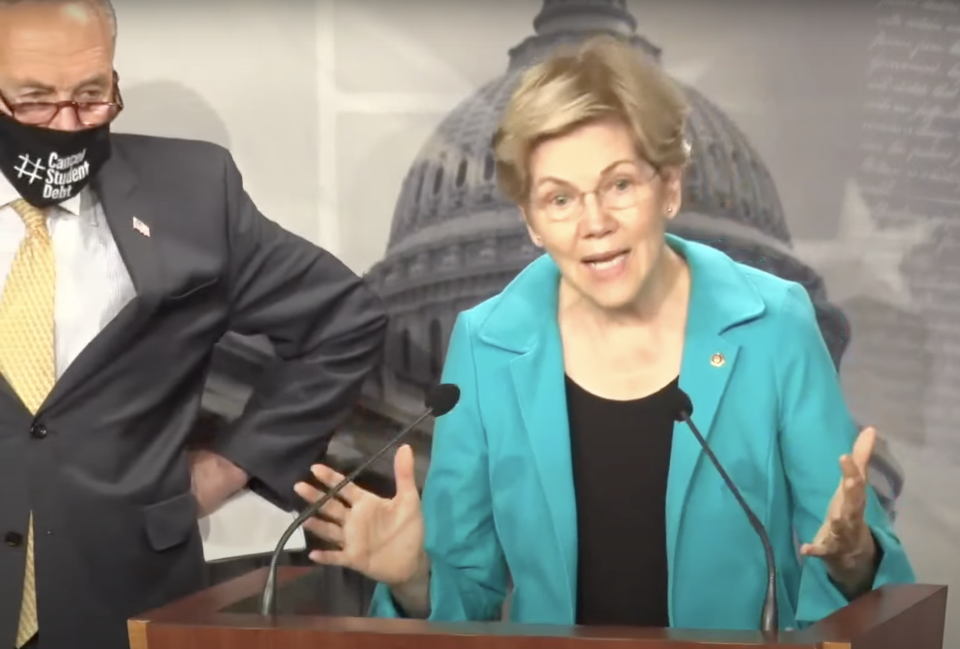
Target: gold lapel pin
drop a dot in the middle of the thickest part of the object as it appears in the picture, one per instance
(717, 360)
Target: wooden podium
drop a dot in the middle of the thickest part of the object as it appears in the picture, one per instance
(225, 617)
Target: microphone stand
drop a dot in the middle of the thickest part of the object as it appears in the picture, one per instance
(769, 618)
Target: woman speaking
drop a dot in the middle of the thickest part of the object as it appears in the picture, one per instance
(562, 470)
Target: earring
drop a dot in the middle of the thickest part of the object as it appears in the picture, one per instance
(669, 210)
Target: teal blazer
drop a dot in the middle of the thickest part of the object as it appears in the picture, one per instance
(499, 505)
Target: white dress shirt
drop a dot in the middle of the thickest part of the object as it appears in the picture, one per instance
(93, 284)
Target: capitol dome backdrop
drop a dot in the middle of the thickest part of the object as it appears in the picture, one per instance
(383, 157)
(456, 241)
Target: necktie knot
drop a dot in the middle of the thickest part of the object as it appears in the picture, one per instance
(34, 218)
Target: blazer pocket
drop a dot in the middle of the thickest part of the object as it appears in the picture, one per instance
(192, 290)
(172, 521)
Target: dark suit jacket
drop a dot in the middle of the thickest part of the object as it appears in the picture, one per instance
(103, 464)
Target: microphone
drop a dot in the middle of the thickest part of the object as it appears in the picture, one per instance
(769, 620)
(439, 402)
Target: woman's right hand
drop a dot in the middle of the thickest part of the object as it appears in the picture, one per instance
(381, 538)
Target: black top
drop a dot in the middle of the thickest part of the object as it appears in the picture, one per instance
(621, 458)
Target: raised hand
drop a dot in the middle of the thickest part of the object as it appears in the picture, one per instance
(844, 541)
(381, 538)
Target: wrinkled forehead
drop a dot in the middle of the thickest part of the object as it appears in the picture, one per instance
(585, 155)
(80, 12)
(53, 46)
(24, 13)
(632, 169)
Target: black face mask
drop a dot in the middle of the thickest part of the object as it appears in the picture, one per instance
(46, 166)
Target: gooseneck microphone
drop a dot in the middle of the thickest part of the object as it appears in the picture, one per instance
(439, 402)
(769, 621)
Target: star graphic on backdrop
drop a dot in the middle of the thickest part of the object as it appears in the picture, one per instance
(865, 259)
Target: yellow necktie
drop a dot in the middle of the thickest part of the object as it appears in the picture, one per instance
(27, 352)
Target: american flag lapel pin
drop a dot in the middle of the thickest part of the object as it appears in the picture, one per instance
(141, 227)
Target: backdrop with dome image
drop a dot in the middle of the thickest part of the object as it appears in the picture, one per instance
(814, 134)
(455, 240)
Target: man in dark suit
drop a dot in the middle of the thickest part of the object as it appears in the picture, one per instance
(123, 260)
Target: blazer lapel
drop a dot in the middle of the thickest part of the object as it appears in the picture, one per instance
(130, 218)
(538, 377)
(528, 327)
(7, 392)
(720, 299)
(708, 362)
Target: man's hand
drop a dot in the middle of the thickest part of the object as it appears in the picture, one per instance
(214, 479)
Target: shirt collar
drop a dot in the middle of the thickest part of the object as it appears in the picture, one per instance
(8, 194)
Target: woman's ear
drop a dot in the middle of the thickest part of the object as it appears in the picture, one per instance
(672, 196)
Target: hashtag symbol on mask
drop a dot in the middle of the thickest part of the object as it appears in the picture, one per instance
(30, 168)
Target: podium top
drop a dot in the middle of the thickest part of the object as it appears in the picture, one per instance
(891, 617)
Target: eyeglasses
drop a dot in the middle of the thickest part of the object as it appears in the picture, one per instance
(621, 190)
(89, 113)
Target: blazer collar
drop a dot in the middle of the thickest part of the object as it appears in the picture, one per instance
(721, 297)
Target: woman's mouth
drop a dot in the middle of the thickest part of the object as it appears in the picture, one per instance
(606, 265)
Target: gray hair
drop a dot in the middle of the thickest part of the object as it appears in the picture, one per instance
(105, 7)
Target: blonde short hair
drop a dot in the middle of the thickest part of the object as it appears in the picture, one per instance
(602, 78)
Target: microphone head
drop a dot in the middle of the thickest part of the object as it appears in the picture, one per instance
(442, 399)
(682, 405)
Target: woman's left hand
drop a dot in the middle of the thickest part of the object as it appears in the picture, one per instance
(844, 541)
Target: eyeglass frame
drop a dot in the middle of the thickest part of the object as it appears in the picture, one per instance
(599, 192)
(58, 106)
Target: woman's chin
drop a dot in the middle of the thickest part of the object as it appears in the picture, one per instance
(611, 296)
(612, 288)
(614, 302)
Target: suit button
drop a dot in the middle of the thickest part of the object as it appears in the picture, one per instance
(13, 539)
(38, 431)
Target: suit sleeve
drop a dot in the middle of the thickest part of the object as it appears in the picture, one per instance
(469, 574)
(327, 329)
(816, 428)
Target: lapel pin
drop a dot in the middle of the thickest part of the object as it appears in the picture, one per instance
(141, 227)
(717, 360)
